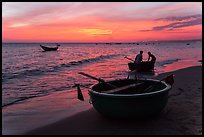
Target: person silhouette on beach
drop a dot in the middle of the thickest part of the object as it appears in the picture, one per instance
(138, 58)
(153, 58)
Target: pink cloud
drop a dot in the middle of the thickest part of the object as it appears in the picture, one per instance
(121, 18)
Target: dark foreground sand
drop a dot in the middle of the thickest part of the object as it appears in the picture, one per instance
(181, 116)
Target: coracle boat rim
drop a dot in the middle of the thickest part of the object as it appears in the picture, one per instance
(167, 88)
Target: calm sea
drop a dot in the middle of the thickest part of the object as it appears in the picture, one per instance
(36, 83)
(28, 72)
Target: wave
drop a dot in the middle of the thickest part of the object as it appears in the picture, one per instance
(18, 100)
(39, 93)
(165, 62)
(41, 71)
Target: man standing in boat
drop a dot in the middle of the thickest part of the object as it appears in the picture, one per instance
(153, 58)
(138, 58)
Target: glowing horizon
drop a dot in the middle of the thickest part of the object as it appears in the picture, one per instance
(100, 21)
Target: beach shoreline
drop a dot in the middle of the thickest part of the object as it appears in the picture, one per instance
(181, 116)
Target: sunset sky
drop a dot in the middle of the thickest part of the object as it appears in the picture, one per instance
(100, 21)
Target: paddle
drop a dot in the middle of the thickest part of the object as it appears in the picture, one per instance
(79, 93)
(129, 58)
(124, 87)
(98, 79)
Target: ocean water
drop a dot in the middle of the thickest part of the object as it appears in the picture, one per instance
(29, 73)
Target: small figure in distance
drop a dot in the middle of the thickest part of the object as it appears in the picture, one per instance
(58, 44)
(153, 58)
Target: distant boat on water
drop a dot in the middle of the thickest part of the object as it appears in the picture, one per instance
(49, 48)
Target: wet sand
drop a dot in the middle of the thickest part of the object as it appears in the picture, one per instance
(181, 116)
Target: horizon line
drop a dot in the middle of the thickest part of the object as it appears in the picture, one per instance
(110, 42)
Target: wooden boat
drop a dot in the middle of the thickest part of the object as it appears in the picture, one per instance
(147, 98)
(49, 48)
(144, 66)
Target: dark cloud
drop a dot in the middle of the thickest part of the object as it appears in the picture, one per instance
(180, 22)
(174, 18)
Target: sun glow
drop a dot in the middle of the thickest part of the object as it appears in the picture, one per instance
(95, 32)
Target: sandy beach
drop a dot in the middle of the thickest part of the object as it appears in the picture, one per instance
(181, 116)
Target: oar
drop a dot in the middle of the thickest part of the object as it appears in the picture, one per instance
(79, 93)
(98, 79)
(123, 88)
(129, 58)
(87, 75)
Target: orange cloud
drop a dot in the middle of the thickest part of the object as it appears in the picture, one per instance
(92, 22)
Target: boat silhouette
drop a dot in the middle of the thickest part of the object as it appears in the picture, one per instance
(49, 48)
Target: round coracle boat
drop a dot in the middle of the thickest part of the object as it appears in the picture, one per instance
(132, 98)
